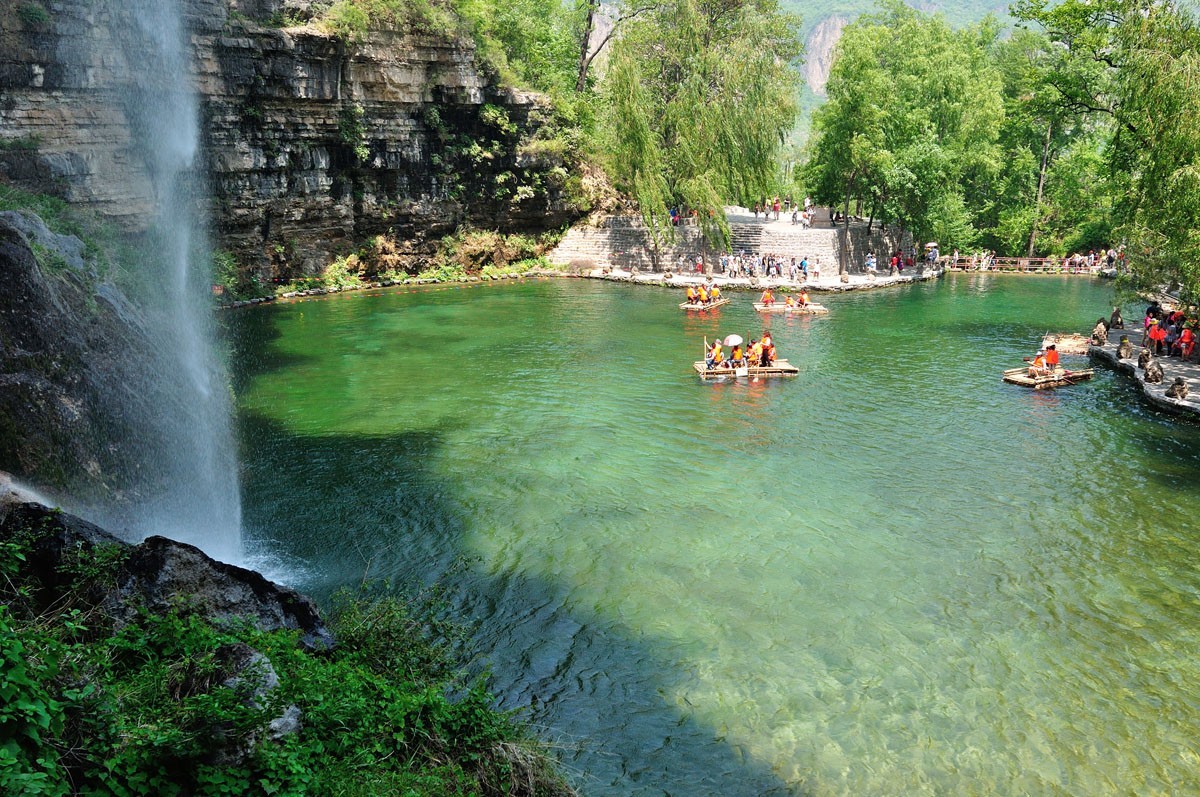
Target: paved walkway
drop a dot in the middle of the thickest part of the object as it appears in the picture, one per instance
(826, 281)
(1172, 367)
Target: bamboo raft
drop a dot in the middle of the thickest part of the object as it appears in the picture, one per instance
(709, 306)
(1057, 378)
(1067, 343)
(812, 308)
(780, 368)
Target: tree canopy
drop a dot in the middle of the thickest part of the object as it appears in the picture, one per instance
(699, 96)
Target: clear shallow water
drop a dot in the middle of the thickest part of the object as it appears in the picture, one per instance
(892, 575)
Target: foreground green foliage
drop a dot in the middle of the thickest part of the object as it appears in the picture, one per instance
(148, 707)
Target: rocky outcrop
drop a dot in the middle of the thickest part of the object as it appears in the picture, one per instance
(310, 144)
(818, 48)
(76, 367)
(69, 561)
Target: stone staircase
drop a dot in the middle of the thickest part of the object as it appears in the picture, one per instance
(623, 242)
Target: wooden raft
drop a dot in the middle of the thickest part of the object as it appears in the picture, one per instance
(812, 308)
(709, 306)
(1067, 343)
(780, 368)
(1057, 378)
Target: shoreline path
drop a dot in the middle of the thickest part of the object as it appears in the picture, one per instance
(830, 282)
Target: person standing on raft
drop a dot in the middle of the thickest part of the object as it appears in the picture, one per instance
(713, 358)
(1051, 357)
(767, 357)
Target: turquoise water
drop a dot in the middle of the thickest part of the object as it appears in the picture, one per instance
(893, 574)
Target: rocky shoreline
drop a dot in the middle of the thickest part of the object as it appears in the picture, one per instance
(1155, 393)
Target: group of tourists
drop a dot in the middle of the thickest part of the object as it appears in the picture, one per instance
(1169, 333)
(1044, 362)
(760, 353)
(799, 300)
(704, 294)
(764, 265)
(772, 207)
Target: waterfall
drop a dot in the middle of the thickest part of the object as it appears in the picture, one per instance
(198, 501)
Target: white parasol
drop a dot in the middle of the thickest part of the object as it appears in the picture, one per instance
(733, 340)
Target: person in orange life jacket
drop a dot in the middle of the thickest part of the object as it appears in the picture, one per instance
(768, 350)
(754, 353)
(1187, 341)
(1051, 357)
(1157, 334)
(1038, 366)
(737, 358)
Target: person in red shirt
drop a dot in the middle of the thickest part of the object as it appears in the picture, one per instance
(1051, 357)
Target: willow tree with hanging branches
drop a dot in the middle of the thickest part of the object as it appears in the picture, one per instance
(700, 96)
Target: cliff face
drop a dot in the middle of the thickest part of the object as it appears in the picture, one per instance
(819, 48)
(309, 144)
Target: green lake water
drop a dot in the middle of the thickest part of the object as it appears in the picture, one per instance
(893, 574)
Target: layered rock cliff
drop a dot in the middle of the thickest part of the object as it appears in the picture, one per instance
(310, 144)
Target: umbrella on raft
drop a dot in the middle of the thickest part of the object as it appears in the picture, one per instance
(733, 340)
(931, 244)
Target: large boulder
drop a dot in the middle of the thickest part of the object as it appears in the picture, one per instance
(156, 575)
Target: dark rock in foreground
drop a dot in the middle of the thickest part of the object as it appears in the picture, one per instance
(156, 575)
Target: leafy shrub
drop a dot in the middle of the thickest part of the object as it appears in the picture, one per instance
(33, 14)
(150, 708)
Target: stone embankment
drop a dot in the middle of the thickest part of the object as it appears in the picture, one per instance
(825, 283)
(622, 241)
(1155, 393)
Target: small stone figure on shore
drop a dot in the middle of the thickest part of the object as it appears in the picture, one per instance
(1115, 321)
(1144, 358)
(1100, 333)
(1178, 388)
(1125, 348)
(1154, 372)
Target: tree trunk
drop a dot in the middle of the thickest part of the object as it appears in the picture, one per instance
(585, 57)
(1037, 208)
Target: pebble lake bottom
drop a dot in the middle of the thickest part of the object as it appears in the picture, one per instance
(892, 574)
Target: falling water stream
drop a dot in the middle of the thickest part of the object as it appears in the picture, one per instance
(197, 460)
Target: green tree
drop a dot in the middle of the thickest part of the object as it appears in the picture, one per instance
(1135, 65)
(700, 94)
(909, 133)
